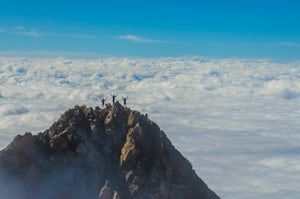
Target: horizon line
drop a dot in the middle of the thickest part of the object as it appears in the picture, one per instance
(45, 54)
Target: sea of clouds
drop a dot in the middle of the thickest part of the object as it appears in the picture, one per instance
(236, 120)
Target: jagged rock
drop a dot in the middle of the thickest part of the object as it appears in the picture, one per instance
(106, 191)
(116, 152)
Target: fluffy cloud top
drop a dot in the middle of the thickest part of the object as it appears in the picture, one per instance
(237, 121)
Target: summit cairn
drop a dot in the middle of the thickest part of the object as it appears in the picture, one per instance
(108, 153)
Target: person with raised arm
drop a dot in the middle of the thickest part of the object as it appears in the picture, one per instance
(114, 97)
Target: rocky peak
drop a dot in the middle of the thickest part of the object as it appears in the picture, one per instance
(114, 152)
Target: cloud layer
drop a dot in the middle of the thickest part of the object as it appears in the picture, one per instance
(237, 121)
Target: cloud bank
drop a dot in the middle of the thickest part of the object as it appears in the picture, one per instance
(236, 120)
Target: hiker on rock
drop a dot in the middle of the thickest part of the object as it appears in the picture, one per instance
(125, 100)
(103, 101)
(114, 97)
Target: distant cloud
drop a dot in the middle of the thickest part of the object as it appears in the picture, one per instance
(247, 44)
(49, 54)
(138, 39)
(32, 32)
(86, 36)
(217, 43)
(20, 30)
(134, 38)
(289, 43)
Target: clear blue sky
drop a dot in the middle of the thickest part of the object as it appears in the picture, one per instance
(213, 28)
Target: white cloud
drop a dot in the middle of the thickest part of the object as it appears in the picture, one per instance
(217, 43)
(83, 36)
(289, 43)
(32, 32)
(237, 121)
(19, 28)
(139, 39)
(6, 110)
(49, 54)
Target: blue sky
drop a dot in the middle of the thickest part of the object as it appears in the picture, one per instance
(215, 28)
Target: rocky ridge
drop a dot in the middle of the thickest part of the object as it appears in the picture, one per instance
(109, 153)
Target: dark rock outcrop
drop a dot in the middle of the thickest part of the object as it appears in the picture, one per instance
(110, 153)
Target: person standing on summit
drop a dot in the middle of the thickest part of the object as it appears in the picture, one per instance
(125, 100)
(114, 97)
(103, 101)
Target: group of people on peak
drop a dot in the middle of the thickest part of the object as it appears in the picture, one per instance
(114, 96)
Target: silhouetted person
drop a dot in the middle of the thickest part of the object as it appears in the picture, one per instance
(103, 101)
(114, 97)
(125, 100)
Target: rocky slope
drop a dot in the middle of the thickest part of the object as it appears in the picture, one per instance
(105, 153)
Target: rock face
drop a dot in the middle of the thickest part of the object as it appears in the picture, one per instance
(110, 153)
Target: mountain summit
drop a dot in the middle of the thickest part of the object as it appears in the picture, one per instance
(109, 153)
